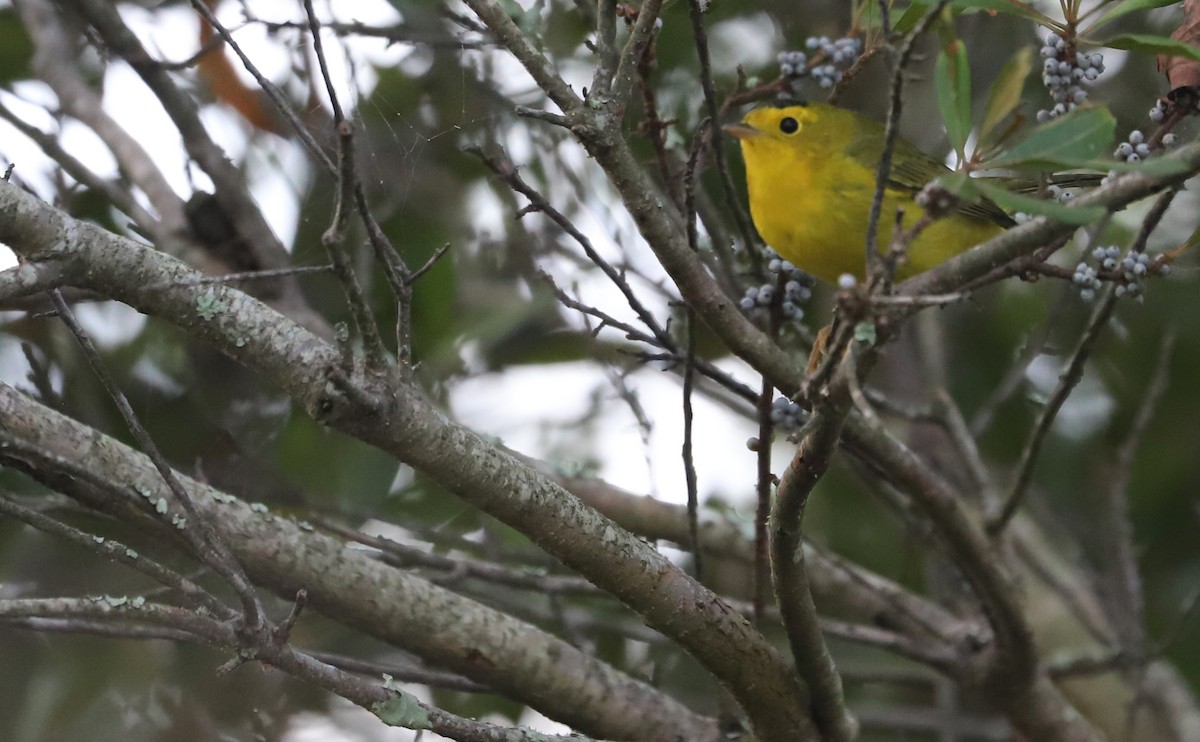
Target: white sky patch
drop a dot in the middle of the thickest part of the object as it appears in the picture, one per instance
(110, 323)
(542, 411)
(131, 104)
(150, 373)
(752, 42)
(346, 722)
(32, 167)
(13, 366)
(1085, 411)
(281, 173)
(7, 257)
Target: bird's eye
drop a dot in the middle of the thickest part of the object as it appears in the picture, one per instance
(789, 125)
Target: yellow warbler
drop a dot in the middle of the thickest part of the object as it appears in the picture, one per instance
(811, 170)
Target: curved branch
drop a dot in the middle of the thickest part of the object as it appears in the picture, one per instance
(392, 705)
(395, 417)
(486, 645)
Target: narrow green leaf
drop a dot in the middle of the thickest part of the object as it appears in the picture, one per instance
(1005, 95)
(1069, 141)
(1151, 44)
(908, 19)
(1126, 7)
(1040, 206)
(1008, 7)
(960, 184)
(952, 81)
(1155, 166)
(970, 189)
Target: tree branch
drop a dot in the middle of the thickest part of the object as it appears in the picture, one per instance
(481, 643)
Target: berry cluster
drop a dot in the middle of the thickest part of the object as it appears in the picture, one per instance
(1135, 149)
(1128, 271)
(797, 289)
(1087, 279)
(837, 55)
(786, 414)
(1055, 192)
(1064, 72)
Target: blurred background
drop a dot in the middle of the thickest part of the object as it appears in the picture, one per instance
(497, 350)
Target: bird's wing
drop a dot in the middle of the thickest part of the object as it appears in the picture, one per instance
(912, 170)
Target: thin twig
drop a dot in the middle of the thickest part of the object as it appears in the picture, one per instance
(282, 105)
(118, 552)
(348, 189)
(402, 673)
(391, 704)
(1130, 604)
(399, 554)
(332, 239)
(891, 133)
(397, 34)
(695, 13)
(1068, 379)
(245, 276)
(689, 368)
(204, 540)
(764, 480)
(119, 196)
(507, 172)
(689, 465)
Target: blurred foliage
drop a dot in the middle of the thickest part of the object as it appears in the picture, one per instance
(482, 307)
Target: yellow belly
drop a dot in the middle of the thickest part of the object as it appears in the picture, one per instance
(818, 221)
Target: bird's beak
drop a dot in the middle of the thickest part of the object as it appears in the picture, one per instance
(741, 131)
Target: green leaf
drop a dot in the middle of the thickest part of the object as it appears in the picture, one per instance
(1151, 44)
(1009, 7)
(908, 19)
(1129, 6)
(968, 189)
(1005, 95)
(1039, 206)
(1155, 166)
(952, 80)
(1066, 142)
(16, 50)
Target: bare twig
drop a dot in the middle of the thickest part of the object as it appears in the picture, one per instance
(120, 197)
(203, 538)
(1129, 606)
(118, 552)
(506, 171)
(54, 55)
(391, 704)
(276, 96)
(402, 555)
(714, 124)
(689, 369)
(891, 132)
(247, 276)
(1068, 379)
(402, 672)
